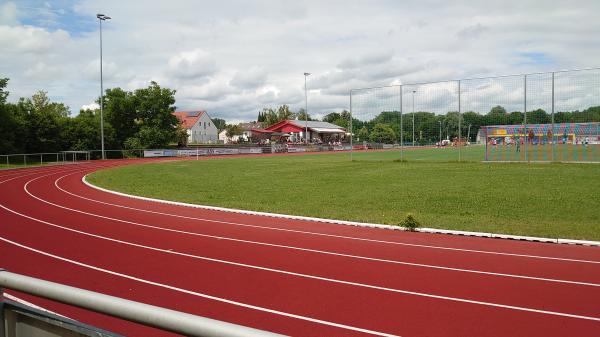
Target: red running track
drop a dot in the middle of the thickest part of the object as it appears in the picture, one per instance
(299, 278)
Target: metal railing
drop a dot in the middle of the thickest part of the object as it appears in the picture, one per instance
(149, 315)
(45, 158)
(69, 157)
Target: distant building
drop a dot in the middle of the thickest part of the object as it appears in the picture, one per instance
(250, 131)
(200, 128)
(296, 130)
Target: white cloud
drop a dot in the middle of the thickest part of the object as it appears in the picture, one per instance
(18, 40)
(239, 56)
(250, 78)
(8, 14)
(192, 64)
(91, 70)
(91, 106)
(42, 71)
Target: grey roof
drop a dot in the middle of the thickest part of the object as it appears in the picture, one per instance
(316, 124)
(250, 126)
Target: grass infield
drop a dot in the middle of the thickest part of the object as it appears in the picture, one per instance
(548, 200)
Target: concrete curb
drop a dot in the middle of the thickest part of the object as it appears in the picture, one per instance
(352, 223)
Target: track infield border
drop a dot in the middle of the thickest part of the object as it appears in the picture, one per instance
(350, 223)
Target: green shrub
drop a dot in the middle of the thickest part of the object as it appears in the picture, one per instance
(410, 223)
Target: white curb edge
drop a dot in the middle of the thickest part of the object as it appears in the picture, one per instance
(350, 223)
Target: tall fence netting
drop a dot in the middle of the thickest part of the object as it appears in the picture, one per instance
(542, 117)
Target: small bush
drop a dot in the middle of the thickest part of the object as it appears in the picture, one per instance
(410, 223)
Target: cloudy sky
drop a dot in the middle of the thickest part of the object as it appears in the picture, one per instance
(233, 58)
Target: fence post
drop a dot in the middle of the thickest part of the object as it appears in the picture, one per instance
(7, 163)
(459, 124)
(350, 127)
(24, 160)
(401, 128)
(485, 135)
(41, 159)
(552, 122)
(525, 115)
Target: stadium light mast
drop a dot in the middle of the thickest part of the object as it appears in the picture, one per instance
(306, 109)
(413, 117)
(101, 17)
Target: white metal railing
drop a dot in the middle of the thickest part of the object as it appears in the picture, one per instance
(149, 315)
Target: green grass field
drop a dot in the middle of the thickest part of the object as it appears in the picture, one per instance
(548, 200)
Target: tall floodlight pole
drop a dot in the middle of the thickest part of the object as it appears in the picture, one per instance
(101, 17)
(413, 117)
(306, 108)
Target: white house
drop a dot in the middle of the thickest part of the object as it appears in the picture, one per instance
(200, 128)
(249, 130)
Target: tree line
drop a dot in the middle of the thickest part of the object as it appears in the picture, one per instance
(385, 127)
(132, 120)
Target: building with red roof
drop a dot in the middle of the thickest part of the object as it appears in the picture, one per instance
(199, 126)
(296, 130)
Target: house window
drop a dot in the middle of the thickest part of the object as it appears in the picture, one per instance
(204, 125)
(208, 124)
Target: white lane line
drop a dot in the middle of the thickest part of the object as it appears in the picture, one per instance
(323, 234)
(308, 276)
(198, 294)
(300, 248)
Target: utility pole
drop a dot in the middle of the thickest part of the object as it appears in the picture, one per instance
(102, 17)
(306, 108)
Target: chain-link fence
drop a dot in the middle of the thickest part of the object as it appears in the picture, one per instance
(537, 117)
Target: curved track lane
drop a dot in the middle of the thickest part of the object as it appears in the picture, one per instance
(299, 278)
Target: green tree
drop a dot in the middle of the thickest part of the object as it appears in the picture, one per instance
(383, 133)
(83, 132)
(592, 114)
(120, 112)
(302, 115)
(498, 110)
(363, 134)
(219, 124)
(538, 116)
(270, 116)
(515, 117)
(343, 120)
(475, 120)
(44, 121)
(332, 117)
(233, 130)
(284, 113)
(3, 92)
(451, 121)
(154, 115)
(9, 124)
(497, 116)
